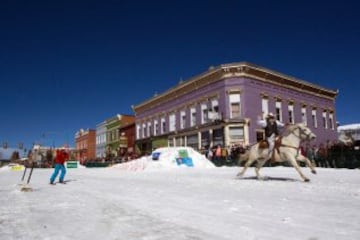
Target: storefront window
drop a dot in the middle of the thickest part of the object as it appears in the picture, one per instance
(218, 137)
(236, 133)
(205, 139)
(171, 142)
(193, 141)
(179, 141)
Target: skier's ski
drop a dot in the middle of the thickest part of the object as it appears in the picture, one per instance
(63, 182)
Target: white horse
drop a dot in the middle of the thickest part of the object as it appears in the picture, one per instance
(288, 149)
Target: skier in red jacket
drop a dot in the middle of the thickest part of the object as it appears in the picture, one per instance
(61, 157)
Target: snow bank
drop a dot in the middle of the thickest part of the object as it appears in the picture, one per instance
(4, 169)
(168, 158)
(134, 165)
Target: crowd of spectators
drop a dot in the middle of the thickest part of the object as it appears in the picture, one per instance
(328, 155)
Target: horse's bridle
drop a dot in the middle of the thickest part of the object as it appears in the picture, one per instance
(301, 131)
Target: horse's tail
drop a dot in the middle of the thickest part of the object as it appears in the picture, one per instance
(246, 155)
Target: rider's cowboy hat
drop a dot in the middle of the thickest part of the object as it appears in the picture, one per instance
(270, 115)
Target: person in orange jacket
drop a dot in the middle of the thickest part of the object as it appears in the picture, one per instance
(61, 157)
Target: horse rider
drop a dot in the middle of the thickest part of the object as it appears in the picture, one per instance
(271, 130)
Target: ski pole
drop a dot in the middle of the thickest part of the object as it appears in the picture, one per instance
(32, 167)
(23, 176)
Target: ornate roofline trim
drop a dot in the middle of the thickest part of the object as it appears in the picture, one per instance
(242, 69)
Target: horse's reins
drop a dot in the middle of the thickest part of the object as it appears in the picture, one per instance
(298, 136)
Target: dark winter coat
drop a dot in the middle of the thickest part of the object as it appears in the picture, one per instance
(271, 128)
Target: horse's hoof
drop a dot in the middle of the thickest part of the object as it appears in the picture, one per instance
(306, 180)
(313, 171)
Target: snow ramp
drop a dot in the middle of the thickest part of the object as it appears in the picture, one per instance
(168, 158)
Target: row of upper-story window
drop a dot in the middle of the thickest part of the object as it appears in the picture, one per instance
(209, 111)
(351, 131)
(354, 133)
(112, 135)
(109, 136)
(101, 139)
(327, 116)
(81, 145)
(198, 114)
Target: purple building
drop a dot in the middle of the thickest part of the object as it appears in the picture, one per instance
(221, 106)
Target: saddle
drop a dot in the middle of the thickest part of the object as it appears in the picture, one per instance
(265, 144)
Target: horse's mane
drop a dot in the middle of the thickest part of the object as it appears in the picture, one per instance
(291, 127)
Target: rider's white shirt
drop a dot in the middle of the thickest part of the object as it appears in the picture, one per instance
(262, 123)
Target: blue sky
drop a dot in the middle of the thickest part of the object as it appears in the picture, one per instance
(66, 65)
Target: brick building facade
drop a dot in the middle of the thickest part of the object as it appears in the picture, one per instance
(113, 132)
(127, 139)
(85, 146)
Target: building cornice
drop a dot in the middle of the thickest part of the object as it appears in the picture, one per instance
(129, 125)
(116, 118)
(84, 133)
(242, 69)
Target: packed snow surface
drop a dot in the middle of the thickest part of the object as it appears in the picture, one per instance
(182, 203)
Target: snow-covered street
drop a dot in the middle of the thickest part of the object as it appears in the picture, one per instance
(181, 203)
